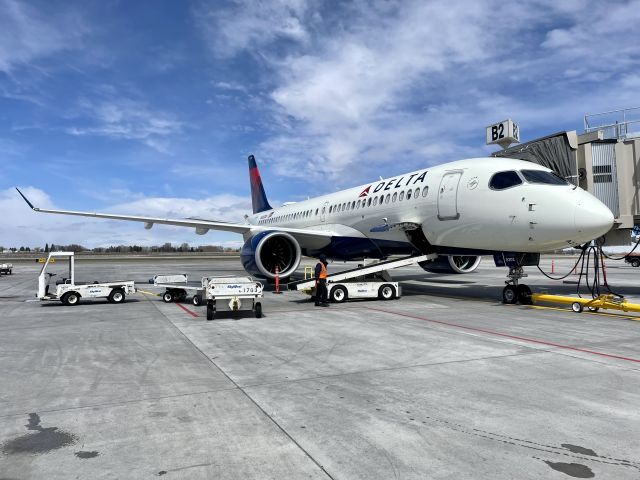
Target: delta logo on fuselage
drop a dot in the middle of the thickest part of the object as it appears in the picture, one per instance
(394, 183)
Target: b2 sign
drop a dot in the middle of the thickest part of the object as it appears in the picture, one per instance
(503, 133)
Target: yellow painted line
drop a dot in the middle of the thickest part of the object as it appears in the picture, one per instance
(149, 293)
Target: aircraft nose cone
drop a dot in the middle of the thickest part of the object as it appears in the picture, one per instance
(592, 218)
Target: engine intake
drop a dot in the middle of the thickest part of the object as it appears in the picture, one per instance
(262, 253)
(452, 264)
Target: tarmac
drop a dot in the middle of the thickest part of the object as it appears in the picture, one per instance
(444, 383)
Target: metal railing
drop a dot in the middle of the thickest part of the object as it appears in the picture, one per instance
(619, 124)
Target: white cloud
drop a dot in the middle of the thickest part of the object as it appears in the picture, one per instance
(128, 119)
(22, 226)
(416, 82)
(251, 24)
(28, 34)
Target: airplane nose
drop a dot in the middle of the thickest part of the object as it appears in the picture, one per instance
(592, 218)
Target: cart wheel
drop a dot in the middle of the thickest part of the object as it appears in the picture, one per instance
(509, 295)
(635, 263)
(576, 307)
(386, 292)
(593, 309)
(257, 309)
(524, 294)
(70, 298)
(196, 300)
(338, 294)
(116, 296)
(211, 311)
(167, 296)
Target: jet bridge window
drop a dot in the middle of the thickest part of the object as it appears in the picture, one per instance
(504, 180)
(540, 176)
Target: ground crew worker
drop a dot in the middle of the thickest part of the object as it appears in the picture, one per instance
(321, 281)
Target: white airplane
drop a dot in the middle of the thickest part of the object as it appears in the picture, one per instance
(458, 210)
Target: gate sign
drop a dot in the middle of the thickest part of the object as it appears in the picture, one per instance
(503, 133)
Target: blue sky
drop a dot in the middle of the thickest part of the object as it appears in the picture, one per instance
(151, 107)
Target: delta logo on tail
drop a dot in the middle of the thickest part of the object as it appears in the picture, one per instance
(365, 192)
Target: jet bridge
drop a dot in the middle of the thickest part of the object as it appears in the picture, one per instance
(603, 160)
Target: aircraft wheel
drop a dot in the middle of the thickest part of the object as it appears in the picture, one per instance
(576, 307)
(386, 292)
(116, 296)
(524, 294)
(257, 310)
(70, 298)
(167, 297)
(509, 295)
(338, 294)
(196, 300)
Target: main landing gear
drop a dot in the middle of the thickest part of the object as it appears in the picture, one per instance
(516, 292)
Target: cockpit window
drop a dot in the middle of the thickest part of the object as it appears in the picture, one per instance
(540, 176)
(502, 180)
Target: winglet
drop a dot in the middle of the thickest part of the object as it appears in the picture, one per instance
(26, 199)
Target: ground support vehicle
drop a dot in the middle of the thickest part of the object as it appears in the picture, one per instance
(232, 294)
(6, 268)
(178, 287)
(633, 259)
(70, 292)
(607, 301)
(366, 281)
(219, 293)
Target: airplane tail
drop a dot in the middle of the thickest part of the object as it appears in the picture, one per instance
(258, 197)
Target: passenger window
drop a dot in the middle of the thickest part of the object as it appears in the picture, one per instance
(330, 208)
(369, 202)
(425, 190)
(395, 196)
(386, 200)
(401, 196)
(409, 194)
(540, 176)
(353, 205)
(416, 194)
(348, 206)
(358, 204)
(375, 201)
(316, 211)
(504, 180)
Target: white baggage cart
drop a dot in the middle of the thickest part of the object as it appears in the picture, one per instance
(220, 293)
(69, 292)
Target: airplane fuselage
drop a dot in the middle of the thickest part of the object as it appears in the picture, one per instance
(479, 205)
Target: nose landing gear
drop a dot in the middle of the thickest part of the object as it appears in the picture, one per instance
(514, 291)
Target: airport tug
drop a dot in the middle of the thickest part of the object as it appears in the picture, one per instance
(69, 292)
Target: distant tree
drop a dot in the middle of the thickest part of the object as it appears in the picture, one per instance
(46, 248)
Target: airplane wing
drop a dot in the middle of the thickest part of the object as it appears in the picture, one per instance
(201, 226)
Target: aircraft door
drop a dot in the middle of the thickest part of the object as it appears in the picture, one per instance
(448, 196)
(323, 212)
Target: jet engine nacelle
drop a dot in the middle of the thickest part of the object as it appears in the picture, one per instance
(452, 264)
(263, 252)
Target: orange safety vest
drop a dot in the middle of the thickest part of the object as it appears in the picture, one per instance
(323, 271)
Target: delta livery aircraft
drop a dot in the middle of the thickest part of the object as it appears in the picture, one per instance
(458, 210)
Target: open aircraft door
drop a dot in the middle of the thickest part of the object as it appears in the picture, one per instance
(448, 196)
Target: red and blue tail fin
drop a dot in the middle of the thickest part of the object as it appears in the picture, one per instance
(258, 197)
